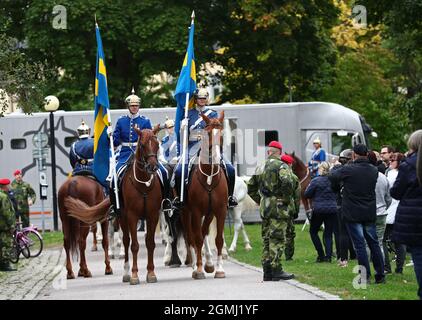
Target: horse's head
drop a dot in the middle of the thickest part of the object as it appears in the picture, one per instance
(147, 149)
(213, 127)
(298, 167)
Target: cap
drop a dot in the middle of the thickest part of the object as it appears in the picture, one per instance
(17, 172)
(287, 159)
(4, 182)
(360, 149)
(275, 144)
(346, 153)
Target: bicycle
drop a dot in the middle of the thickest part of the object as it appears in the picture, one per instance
(27, 241)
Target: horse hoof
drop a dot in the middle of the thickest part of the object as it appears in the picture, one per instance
(126, 278)
(225, 256)
(151, 278)
(88, 274)
(175, 265)
(198, 275)
(70, 276)
(220, 275)
(134, 281)
(248, 247)
(209, 269)
(232, 250)
(108, 272)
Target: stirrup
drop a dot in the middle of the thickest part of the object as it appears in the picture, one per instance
(176, 204)
(170, 209)
(232, 202)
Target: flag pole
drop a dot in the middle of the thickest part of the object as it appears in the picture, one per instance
(113, 162)
(185, 135)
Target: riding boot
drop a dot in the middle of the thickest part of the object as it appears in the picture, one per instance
(114, 211)
(268, 274)
(177, 203)
(232, 201)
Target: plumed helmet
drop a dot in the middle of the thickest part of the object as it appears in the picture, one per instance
(133, 99)
(83, 130)
(201, 93)
(169, 123)
(317, 140)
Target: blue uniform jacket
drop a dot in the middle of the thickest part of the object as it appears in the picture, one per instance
(124, 135)
(168, 147)
(82, 155)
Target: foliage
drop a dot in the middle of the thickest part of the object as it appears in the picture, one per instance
(327, 276)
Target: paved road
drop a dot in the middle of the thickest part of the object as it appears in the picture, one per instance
(241, 282)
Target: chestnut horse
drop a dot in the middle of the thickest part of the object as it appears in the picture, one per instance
(302, 172)
(141, 195)
(206, 198)
(75, 230)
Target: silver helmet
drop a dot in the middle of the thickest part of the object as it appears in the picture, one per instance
(133, 99)
(201, 93)
(83, 130)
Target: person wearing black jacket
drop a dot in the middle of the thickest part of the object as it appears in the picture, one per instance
(324, 211)
(408, 189)
(359, 210)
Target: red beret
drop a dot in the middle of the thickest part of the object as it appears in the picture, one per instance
(4, 182)
(17, 172)
(287, 159)
(275, 144)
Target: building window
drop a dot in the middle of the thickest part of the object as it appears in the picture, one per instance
(18, 144)
(69, 140)
(265, 137)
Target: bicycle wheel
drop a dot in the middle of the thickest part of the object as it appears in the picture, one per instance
(14, 253)
(35, 243)
(25, 251)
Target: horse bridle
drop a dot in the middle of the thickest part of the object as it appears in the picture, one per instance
(143, 162)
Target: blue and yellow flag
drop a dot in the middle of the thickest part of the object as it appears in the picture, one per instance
(102, 105)
(186, 83)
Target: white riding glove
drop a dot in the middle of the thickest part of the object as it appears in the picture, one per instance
(184, 123)
(109, 131)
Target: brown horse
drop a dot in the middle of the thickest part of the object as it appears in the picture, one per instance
(206, 198)
(76, 231)
(302, 172)
(141, 194)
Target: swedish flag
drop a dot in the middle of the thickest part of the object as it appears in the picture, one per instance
(186, 83)
(101, 120)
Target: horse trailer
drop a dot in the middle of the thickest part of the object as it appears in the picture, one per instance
(248, 130)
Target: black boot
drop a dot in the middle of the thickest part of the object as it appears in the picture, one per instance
(232, 202)
(268, 273)
(282, 275)
(114, 212)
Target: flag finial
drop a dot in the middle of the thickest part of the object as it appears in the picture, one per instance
(193, 15)
(95, 18)
(133, 90)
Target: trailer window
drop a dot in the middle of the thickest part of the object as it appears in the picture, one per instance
(340, 143)
(1, 144)
(69, 140)
(265, 137)
(18, 144)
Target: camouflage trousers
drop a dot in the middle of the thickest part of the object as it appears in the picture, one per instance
(5, 246)
(274, 225)
(290, 239)
(25, 219)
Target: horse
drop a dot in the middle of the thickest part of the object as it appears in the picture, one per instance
(113, 227)
(76, 231)
(142, 196)
(302, 172)
(207, 197)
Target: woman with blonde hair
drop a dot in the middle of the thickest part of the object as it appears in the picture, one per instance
(324, 211)
(408, 189)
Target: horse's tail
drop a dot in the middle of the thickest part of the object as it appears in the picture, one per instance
(81, 211)
(73, 225)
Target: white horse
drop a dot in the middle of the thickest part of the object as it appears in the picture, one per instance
(112, 248)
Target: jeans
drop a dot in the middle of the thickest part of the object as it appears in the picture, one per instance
(329, 221)
(416, 252)
(359, 232)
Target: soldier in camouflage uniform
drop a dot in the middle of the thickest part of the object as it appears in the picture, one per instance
(272, 186)
(293, 213)
(7, 223)
(23, 191)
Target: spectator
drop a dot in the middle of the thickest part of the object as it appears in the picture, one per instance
(7, 223)
(383, 199)
(359, 210)
(344, 244)
(324, 209)
(24, 195)
(399, 249)
(408, 189)
(386, 153)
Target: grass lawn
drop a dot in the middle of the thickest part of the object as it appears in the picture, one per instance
(327, 276)
(53, 239)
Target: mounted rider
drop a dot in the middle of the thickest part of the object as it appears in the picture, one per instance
(82, 152)
(195, 125)
(317, 157)
(168, 146)
(126, 139)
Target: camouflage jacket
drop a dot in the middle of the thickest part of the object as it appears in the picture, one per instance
(7, 213)
(22, 192)
(273, 184)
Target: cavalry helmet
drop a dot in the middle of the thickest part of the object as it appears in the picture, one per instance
(201, 93)
(133, 99)
(83, 130)
(169, 123)
(317, 140)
